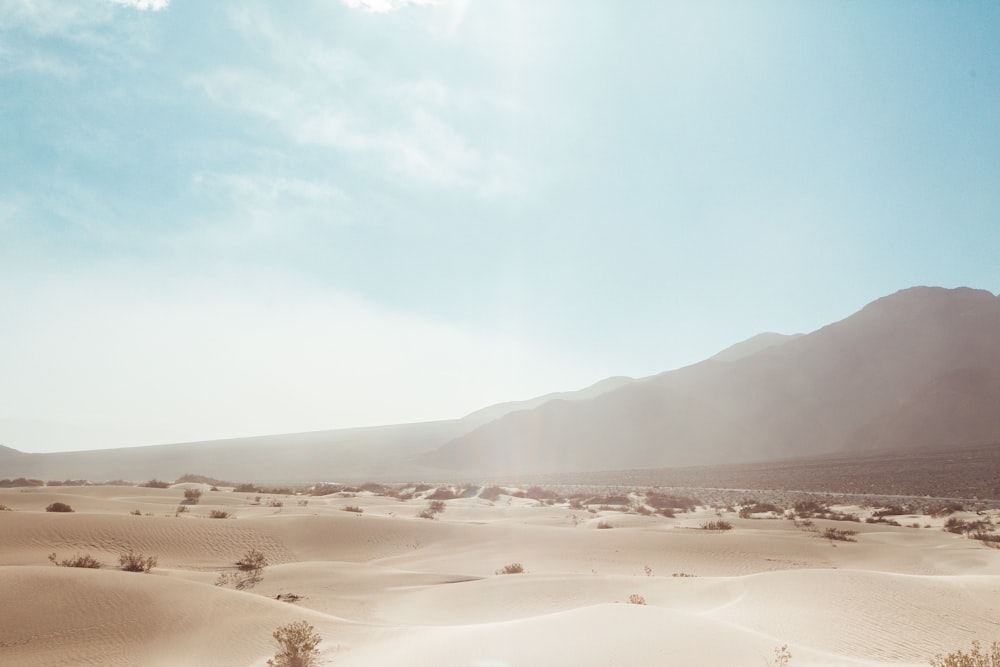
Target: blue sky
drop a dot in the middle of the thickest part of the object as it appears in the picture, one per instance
(233, 218)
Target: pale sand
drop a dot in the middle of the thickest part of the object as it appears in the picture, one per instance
(387, 588)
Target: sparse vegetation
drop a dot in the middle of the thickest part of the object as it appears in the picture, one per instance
(136, 512)
(218, 514)
(491, 493)
(976, 657)
(133, 562)
(839, 535)
(20, 481)
(604, 525)
(85, 561)
(436, 506)
(155, 484)
(782, 657)
(353, 508)
(59, 507)
(192, 496)
(513, 568)
(4, 508)
(719, 524)
(250, 570)
(297, 644)
(635, 598)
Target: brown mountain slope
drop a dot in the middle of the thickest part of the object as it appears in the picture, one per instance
(811, 395)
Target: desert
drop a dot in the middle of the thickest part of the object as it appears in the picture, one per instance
(415, 574)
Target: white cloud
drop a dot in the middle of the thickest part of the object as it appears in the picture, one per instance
(385, 6)
(144, 5)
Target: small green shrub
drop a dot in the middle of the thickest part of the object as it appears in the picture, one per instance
(59, 507)
(297, 644)
(133, 562)
(513, 568)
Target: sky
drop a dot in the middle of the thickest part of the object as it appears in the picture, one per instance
(221, 219)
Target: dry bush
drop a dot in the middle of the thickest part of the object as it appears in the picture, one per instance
(218, 514)
(155, 484)
(436, 506)
(426, 514)
(192, 496)
(297, 644)
(4, 508)
(782, 657)
(513, 568)
(86, 561)
(133, 562)
(635, 598)
(353, 508)
(604, 525)
(59, 507)
(181, 509)
(252, 561)
(976, 657)
(839, 535)
(719, 524)
(748, 511)
(136, 512)
(246, 487)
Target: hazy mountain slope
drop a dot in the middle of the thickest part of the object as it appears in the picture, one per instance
(810, 395)
(493, 412)
(752, 346)
(383, 452)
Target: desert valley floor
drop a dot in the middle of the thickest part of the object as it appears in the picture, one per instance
(383, 586)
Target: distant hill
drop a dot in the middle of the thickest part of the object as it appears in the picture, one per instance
(917, 369)
(868, 381)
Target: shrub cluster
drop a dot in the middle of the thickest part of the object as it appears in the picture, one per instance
(513, 568)
(59, 507)
(297, 644)
(133, 562)
(85, 561)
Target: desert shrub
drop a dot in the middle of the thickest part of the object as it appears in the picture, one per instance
(273, 502)
(59, 507)
(436, 506)
(839, 535)
(4, 508)
(136, 512)
(323, 489)
(278, 490)
(181, 509)
(252, 561)
(806, 509)
(758, 508)
(539, 493)
(442, 493)
(662, 501)
(426, 514)
(610, 500)
(635, 598)
(513, 568)
(976, 657)
(642, 509)
(782, 657)
(668, 512)
(133, 562)
(491, 493)
(192, 496)
(203, 479)
(20, 481)
(245, 487)
(218, 514)
(297, 644)
(604, 525)
(945, 509)
(719, 524)
(86, 561)
(353, 508)
(990, 539)
(682, 575)
(155, 484)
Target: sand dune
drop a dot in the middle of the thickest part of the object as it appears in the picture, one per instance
(385, 587)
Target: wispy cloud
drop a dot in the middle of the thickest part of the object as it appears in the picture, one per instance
(144, 5)
(385, 6)
(423, 132)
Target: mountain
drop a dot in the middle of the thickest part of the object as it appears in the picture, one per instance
(873, 380)
(916, 369)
